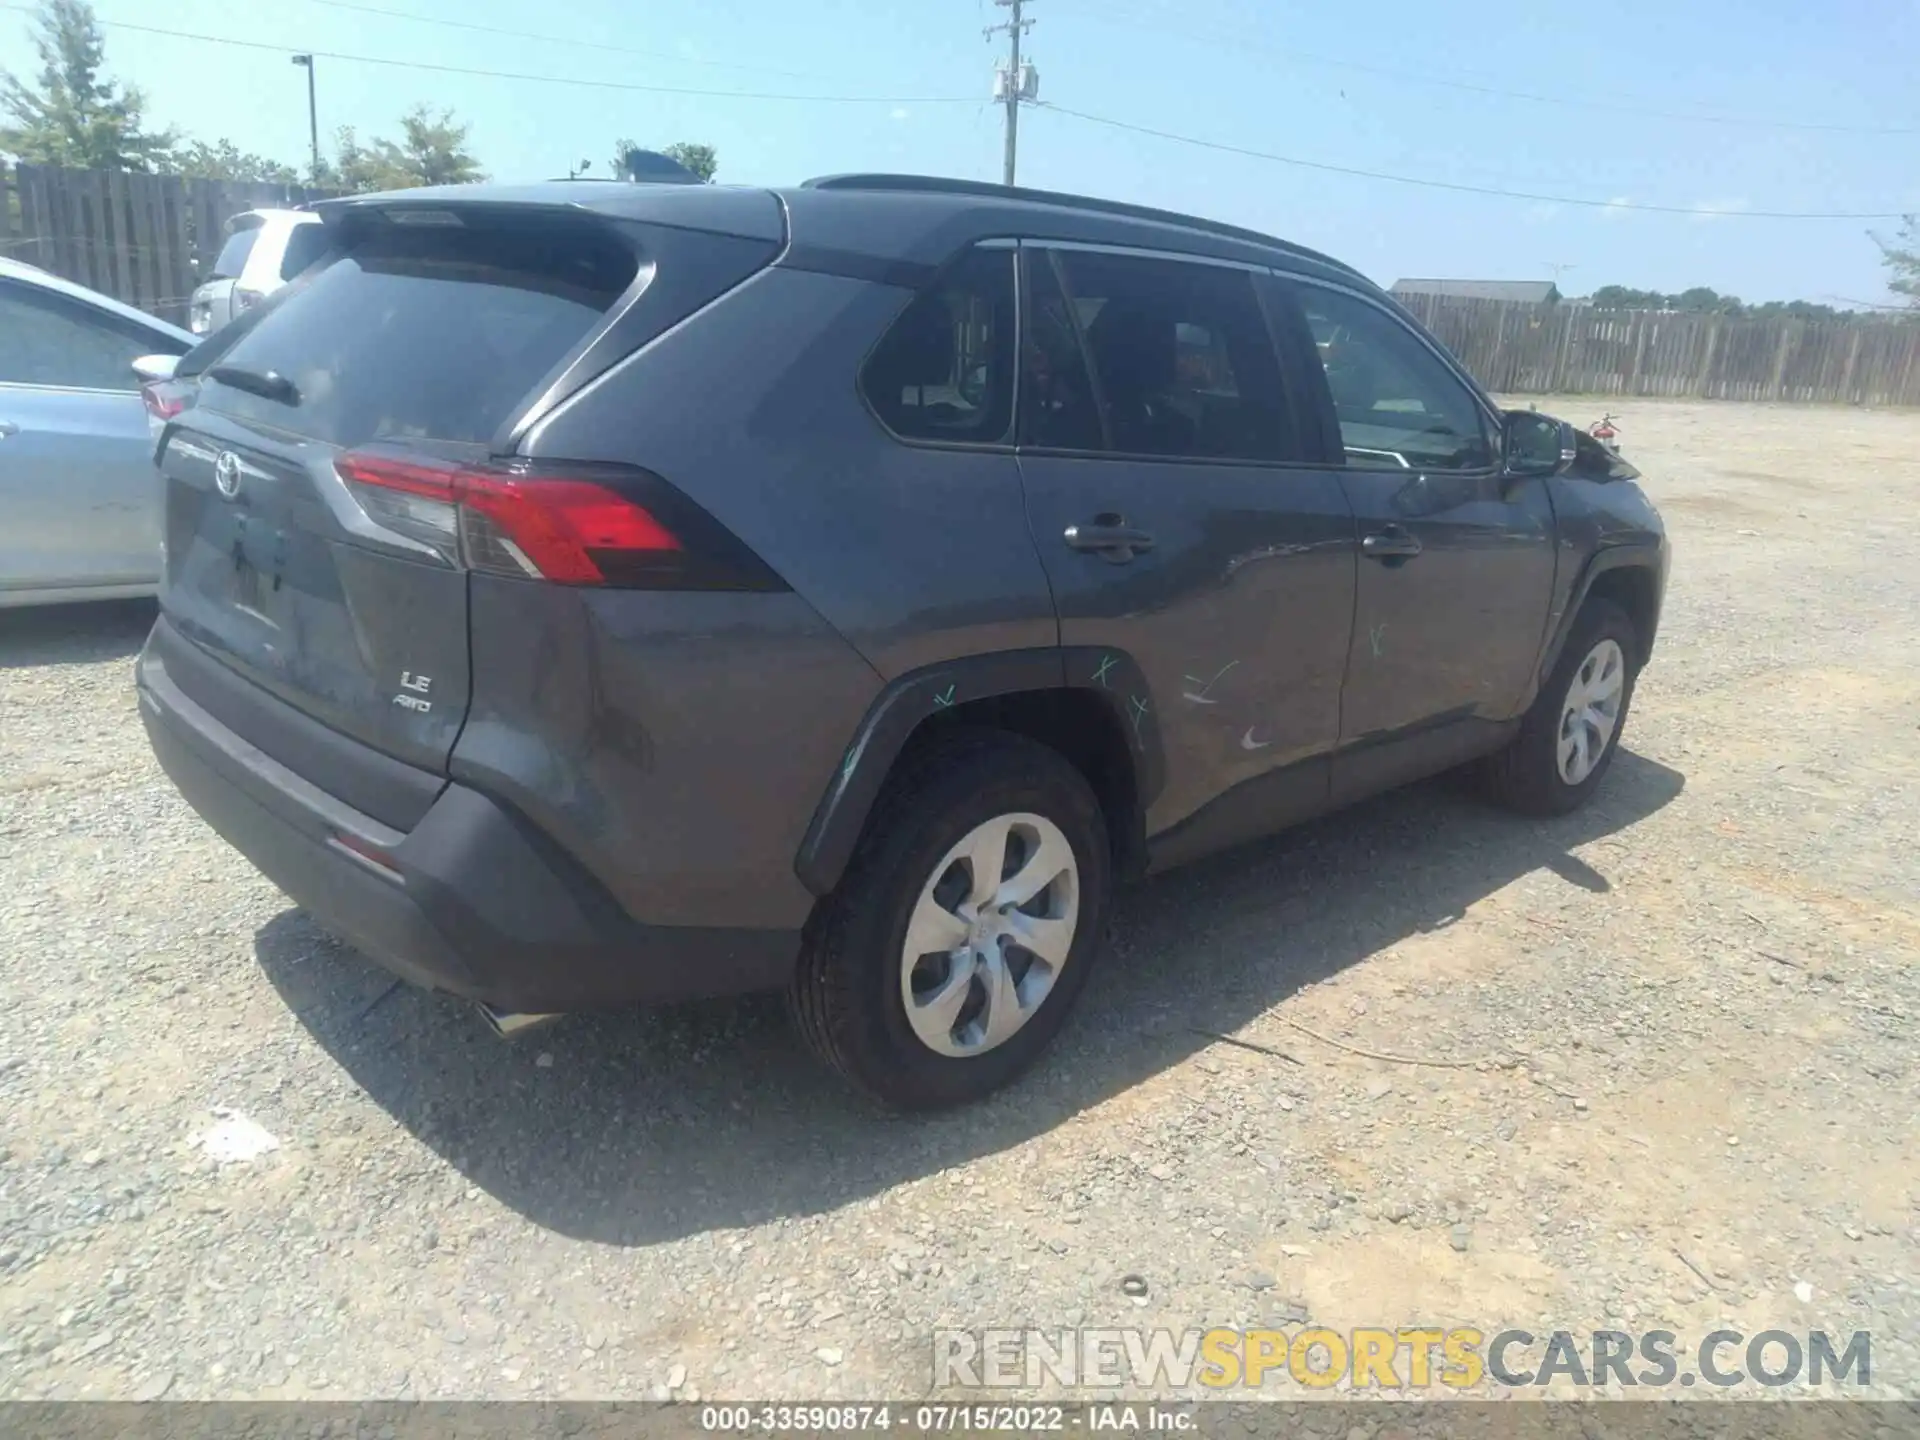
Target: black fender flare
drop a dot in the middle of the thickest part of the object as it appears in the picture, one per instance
(1644, 554)
(916, 698)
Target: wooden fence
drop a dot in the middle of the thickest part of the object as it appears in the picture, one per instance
(144, 239)
(1523, 349)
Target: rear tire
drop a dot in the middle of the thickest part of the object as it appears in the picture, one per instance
(1027, 813)
(1570, 735)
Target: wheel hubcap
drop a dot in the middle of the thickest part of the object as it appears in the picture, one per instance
(989, 935)
(1592, 711)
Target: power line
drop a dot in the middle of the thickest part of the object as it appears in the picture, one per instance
(570, 80)
(1221, 146)
(1871, 305)
(556, 39)
(1417, 77)
(1467, 189)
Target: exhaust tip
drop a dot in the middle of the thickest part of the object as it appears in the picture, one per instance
(509, 1023)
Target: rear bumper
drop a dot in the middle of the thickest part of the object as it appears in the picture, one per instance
(475, 901)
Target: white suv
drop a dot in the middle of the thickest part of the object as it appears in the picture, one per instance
(264, 249)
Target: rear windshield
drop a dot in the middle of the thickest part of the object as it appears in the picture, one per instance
(427, 332)
(305, 244)
(233, 255)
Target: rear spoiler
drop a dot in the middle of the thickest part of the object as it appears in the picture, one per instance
(748, 212)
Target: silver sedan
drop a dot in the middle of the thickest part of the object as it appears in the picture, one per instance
(79, 497)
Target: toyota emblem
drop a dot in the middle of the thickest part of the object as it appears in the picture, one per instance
(226, 474)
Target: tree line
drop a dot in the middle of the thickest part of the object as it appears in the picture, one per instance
(1901, 255)
(72, 114)
(1701, 300)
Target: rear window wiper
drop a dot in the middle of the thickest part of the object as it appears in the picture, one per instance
(267, 384)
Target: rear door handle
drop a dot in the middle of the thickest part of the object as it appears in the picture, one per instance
(1109, 537)
(1396, 542)
(8, 429)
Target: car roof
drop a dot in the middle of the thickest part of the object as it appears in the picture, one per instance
(919, 220)
(1164, 225)
(46, 280)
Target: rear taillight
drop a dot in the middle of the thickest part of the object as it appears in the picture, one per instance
(571, 524)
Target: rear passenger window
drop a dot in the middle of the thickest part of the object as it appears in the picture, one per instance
(944, 370)
(1058, 407)
(1400, 408)
(1183, 365)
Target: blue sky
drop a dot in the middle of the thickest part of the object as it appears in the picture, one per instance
(1257, 76)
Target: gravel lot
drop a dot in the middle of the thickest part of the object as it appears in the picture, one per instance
(1680, 1086)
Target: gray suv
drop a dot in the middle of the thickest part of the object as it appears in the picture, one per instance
(583, 595)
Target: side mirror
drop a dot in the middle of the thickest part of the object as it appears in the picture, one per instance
(155, 367)
(1538, 446)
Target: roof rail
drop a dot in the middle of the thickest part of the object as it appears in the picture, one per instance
(942, 185)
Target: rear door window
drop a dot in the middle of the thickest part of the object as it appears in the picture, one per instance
(944, 369)
(427, 332)
(1183, 364)
(1059, 409)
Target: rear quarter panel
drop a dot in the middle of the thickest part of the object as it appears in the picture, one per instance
(675, 744)
(261, 273)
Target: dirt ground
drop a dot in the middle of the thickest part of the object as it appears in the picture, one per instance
(1666, 1065)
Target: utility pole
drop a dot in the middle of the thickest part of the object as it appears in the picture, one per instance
(1015, 83)
(313, 116)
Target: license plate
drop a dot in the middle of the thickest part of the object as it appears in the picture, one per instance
(249, 588)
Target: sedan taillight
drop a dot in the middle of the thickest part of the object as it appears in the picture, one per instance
(165, 399)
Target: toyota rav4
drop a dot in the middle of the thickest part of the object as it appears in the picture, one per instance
(586, 595)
